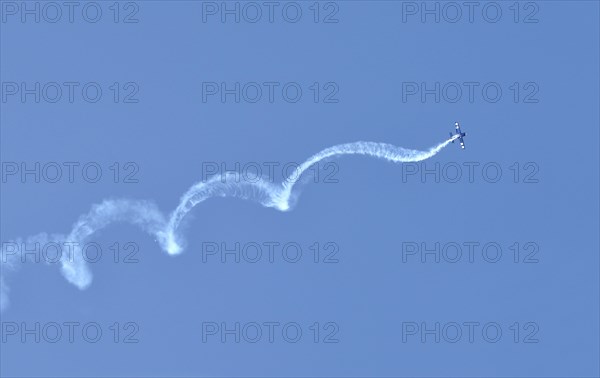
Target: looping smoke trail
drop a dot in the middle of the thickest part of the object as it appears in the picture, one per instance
(148, 217)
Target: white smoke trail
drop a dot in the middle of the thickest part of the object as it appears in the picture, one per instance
(146, 215)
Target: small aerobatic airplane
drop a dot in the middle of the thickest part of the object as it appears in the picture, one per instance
(459, 135)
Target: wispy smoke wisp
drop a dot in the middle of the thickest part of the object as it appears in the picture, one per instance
(147, 216)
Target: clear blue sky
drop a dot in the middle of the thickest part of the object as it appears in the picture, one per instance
(377, 292)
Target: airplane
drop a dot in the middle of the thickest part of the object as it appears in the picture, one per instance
(459, 135)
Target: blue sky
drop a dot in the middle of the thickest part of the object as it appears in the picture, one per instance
(378, 70)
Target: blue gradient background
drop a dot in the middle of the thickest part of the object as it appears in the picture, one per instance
(369, 213)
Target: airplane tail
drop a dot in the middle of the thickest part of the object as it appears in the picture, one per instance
(451, 137)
